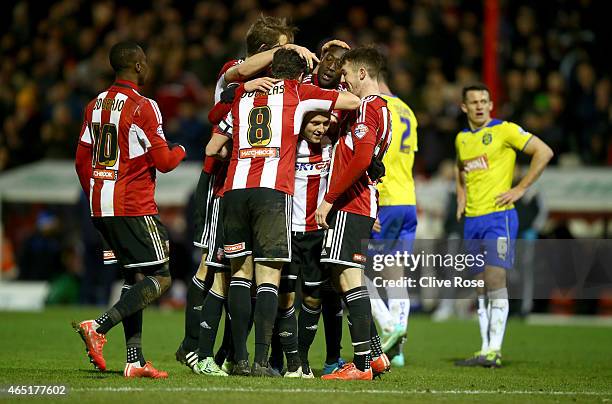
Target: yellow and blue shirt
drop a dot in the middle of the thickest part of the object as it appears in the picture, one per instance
(397, 186)
(487, 156)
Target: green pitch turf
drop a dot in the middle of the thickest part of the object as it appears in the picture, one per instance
(542, 364)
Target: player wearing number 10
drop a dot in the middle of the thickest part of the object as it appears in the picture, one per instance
(121, 145)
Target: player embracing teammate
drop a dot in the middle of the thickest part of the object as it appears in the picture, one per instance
(349, 208)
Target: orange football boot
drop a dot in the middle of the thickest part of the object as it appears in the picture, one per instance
(380, 365)
(146, 371)
(349, 372)
(94, 342)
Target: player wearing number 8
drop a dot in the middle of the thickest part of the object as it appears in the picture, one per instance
(264, 126)
(121, 145)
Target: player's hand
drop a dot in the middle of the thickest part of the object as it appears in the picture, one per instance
(508, 198)
(226, 152)
(376, 228)
(376, 170)
(263, 84)
(322, 212)
(172, 145)
(460, 208)
(304, 53)
(334, 42)
(228, 95)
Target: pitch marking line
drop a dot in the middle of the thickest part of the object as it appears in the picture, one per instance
(252, 390)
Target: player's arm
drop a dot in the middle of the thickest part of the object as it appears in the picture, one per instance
(257, 63)
(460, 189)
(347, 101)
(166, 156)
(235, 90)
(84, 155)
(540, 154)
(83, 166)
(217, 146)
(355, 169)
(363, 134)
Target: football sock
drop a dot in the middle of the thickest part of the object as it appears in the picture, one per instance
(287, 332)
(212, 309)
(252, 315)
(139, 296)
(357, 302)
(276, 349)
(483, 322)
(132, 330)
(265, 316)
(498, 318)
(226, 350)
(400, 310)
(375, 341)
(331, 310)
(380, 312)
(308, 322)
(239, 303)
(196, 293)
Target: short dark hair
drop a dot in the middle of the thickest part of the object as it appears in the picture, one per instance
(264, 33)
(123, 55)
(474, 87)
(287, 64)
(367, 56)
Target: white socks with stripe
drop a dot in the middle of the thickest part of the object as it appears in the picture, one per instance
(380, 312)
(483, 322)
(498, 301)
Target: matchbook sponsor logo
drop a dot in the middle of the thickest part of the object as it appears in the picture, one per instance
(101, 174)
(260, 152)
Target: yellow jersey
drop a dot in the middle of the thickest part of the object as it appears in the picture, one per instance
(487, 156)
(397, 186)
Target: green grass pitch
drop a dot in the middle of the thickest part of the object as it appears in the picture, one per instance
(542, 364)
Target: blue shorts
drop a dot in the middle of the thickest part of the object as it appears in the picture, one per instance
(397, 223)
(494, 235)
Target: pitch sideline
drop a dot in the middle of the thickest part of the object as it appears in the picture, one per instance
(325, 391)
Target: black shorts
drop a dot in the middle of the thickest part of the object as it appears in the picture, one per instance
(257, 221)
(135, 241)
(305, 262)
(202, 213)
(343, 240)
(215, 257)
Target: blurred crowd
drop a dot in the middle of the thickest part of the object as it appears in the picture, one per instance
(554, 75)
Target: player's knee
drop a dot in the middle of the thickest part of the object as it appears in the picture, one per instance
(312, 301)
(162, 276)
(495, 278)
(164, 282)
(286, 300)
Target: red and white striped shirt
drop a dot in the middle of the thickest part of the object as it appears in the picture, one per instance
(368, 127)
(265, 128)
(122, 127)
(311, 170)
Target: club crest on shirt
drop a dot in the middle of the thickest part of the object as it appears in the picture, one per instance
(360, 130)
(487, 138)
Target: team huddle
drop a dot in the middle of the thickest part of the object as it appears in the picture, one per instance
(288, 192)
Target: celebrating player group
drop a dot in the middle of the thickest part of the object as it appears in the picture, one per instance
(288, 191)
